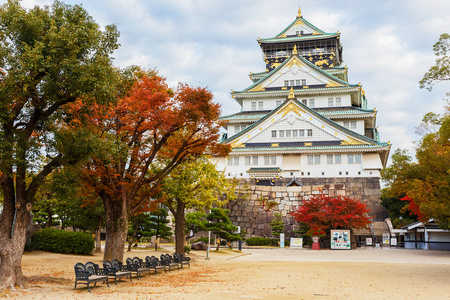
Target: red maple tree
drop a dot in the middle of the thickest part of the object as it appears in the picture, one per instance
(322, 212)
(148, 133)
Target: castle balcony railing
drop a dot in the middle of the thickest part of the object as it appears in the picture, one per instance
(288, 53)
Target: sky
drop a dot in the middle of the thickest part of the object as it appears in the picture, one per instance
(212, 43)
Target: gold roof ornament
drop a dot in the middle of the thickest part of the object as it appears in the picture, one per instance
(291, 93)
(294, 51)
(299, 12)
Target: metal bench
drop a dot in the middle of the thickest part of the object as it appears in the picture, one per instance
(137, 266)
(170, 262)
(182, 259)
(89, 273)
(116, 270)
(155, 264)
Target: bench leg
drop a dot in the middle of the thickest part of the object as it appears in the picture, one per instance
(88, 287)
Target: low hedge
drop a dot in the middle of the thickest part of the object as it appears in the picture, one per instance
(259, 241)
(61, 241)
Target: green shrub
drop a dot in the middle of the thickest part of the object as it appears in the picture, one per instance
(60, 241)
(204, 239)
(28, 246)
(187, 249)
(260, 241)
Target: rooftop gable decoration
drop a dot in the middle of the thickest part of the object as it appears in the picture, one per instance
(300, 117)
(301, 69)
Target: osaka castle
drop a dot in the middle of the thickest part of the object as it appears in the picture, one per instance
(302, 117)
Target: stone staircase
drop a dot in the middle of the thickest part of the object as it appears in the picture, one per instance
(377, 228)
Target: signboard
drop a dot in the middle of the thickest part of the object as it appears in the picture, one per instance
(296, 243)
(368, 241)
(340, 239)
(281, 240)
(385, 238)
(393, 241)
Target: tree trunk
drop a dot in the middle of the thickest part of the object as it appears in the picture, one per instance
(156, 243)
(116, 228)
(12, 241)
(179, 227)
(98, 241)
(49, 218)
(132, 239)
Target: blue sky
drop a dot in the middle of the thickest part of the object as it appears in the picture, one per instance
(212, 43)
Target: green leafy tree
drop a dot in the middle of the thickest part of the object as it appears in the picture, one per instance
(441, 70)
(158, 226)
(277, 225)
(195, 223)
(194, 184)
(50, 57)
(140, 226)
(221, 225)
(424, 185)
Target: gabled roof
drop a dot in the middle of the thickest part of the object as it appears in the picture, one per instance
(324, 111)
(357, 138)
(313, 32)
(333, 81)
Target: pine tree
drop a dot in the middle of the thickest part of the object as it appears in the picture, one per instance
(158, 225)
(221, 225)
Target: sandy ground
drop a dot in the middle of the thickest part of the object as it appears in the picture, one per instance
(256, 274)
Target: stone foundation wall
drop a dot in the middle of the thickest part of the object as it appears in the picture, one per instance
(254, 217)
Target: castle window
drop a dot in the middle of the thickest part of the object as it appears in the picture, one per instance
(253, 105)
(297, 32)
(286, 83)
(330, 159)
(334, 159)
(338, 101)
(237, 128)
(278, 103)
(251, 160)
(309, 132)
(274, 133)
(291, 83)
(313, 159)
(260, 105)
(330, 102)
(294, 133)
(303, 81)
(301, 132)
(346, 124)
(354, 158)
(311, 103)
(305, 101)
(281, 132)
(353, 124)
(288, 133)
(297, 82)
(270, 160)
(233, 161)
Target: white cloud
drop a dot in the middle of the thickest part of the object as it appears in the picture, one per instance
(387, 46)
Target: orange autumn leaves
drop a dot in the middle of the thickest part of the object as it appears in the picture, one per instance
(147, 133)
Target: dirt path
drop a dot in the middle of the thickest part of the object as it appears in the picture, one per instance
(259, 274)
